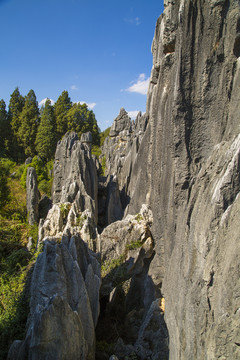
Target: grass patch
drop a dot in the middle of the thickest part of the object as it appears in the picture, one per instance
(134, 245)
(16, 262)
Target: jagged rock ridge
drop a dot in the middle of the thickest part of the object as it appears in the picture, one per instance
(182, 159)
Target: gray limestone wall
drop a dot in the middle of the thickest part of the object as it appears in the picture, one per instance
(192, 175)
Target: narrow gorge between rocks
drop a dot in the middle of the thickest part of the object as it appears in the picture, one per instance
(144, 262)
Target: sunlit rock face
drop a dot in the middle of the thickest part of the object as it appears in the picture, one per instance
(191, 175)
(74, 172)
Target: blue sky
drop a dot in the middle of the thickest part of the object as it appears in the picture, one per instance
(99, 51)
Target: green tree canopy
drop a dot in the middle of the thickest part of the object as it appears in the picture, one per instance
(81, 120)
(12, 144)
(46, 137)
(3, 126)
(29, 120)
(61, 108)
(16, 105)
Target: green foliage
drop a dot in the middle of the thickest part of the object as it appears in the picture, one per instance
(8, 165)
(26, 131)
(46, 137)
(61, 108)
(104, 135)
(15, 264)
(103, 164)
(134, 245)
(18, 258)
(4, 189)
(3, 125)
(29, 119)
(64, 209)
(96, 150)
(14, 308)
(16, 105)
(139, 217)
(80, 219)
(81, 120)
(110, 265)
(40, 168)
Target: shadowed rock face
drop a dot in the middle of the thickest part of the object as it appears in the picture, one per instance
(192, 176)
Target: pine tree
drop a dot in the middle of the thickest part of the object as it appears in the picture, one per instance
(93, 127)
(46, 137)
(29, 120)
(12, 144)
(61, 108)
(16, 105)
(3, 126)
(76, 119)
(81, 120)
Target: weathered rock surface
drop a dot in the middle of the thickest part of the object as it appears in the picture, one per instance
(191, 154)
(32, 195)
(64, 304)
(75, 174)
(120, 151)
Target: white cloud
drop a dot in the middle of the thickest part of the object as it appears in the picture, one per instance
(42, 102)
(74, 87)
(140, 86)
(89, 105)
(133, 21)
(133, 114)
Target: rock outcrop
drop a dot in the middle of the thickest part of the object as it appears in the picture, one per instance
(75, 174)
(120, 151)
(190, 175)
(32, 195)
(171, 272)
(64, 305)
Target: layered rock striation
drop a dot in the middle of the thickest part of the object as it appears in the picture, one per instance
(177, 260)
(191, 176)
(75, 174)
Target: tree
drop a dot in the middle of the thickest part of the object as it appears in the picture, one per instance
(46, 137)
(29, 120)
(16, 105)
(12, 144)
(81, 120)
(4, 189)
(61, 108)
(3, 126)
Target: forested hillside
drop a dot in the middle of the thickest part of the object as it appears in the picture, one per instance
(26, 130)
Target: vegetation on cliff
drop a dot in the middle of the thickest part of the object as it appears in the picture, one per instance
(16, 261)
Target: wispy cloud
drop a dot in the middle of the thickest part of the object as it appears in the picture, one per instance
(89, 105)
(42, 102)
(74, 87)
(133, 114)
(140, 86)
(133, 20)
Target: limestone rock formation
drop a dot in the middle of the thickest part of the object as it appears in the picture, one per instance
(32, 195)
(190, 151)
(75, 174)
(120, 151)
(64, 304)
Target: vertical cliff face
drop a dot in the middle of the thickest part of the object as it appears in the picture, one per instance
(193, 147)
